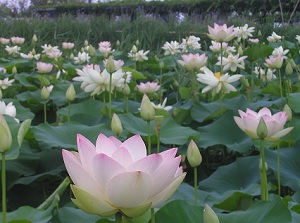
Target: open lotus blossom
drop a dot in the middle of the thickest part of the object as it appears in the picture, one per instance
(30, 56)
(297, 38)
(193, 62)
(95, 81)
(216, 81)
(105, 47)
(82, 57)
(8, 109)
(274, 38)
(47, 48)
(171, 48)
(43, 68)
(243, 32)
(68, 45)
(264, 75)
(54, 54)
(255, 40)
(192, 42)
(280, 52)
(5, 83)
(232, 62)
(274, 62)
(17, 40)
(216, 46)
(141, 55)
(114, 176)
(249, 120)
(162, 105)
(221, 33)
(12, 50)
(148, 87)
(4, 41)
(117, 63)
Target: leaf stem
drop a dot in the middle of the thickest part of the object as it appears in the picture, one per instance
(3, 180)
(195, 186)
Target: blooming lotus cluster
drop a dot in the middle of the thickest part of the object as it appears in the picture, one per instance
(81, 58)
(5, 83)
(114, 176)
(243, 32)
(140, 55)
(264, 75)
(174, 47)
(162, 105)
(274, 38)
(232, 62)
(249, 120)
(217, 82)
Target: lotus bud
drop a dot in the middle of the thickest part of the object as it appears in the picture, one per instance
(45, 93)
(262, 129)
(134, 49)
(71, 56)
(71, 93)
(118, 43)
(158, 120)
(116, 125)
(240, 51)
(5, 135)
(289, 69)
(147, 110)
(288, 112)
(161, 65)
(244, 82)
(33, 51)
(92, 51)
(137, 42)
(110, 65)
(259, 34)
(126, 90)
(209, 216)
(34, 39)
(193, 154)
(14, 70)
(260, 165)
(86, 43)
(1, 95)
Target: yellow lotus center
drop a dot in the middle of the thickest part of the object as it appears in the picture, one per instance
(218, 75)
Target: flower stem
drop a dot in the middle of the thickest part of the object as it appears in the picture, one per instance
(280, 87)
(118, 217)
(69, 111)
(45, 112)
(149, 138)
(3, 181)
(109, 96)
(195, 186)
(278, 170)
(263, 173)
(152, 215)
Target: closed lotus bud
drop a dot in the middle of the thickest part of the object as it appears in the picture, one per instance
(86, 43)
(126, 90)
(14, 70)
(71, 93)
(5, 135)
(92, 51)
(244, 82)
(118, 43)
(34, 39)
(259, 34)
(209, 216)
(116, 125)
(260, 165)
(289, 69)
(110, 65)
(193, 154)
(71, 56)
(45, 93)
(240, 51)
(33, 51)
(288, 112)
(262, 129)
(137, 42)
(161, 65)
(147, 110)
(134, 49)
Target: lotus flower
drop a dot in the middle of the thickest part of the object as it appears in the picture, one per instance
(221, 33)
(249, 121)
(112, 176)
(148, 87)
(193, 62)
(43, 68)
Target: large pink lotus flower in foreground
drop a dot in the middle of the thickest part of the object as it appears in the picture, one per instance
(116, 176)
(249, 121)
(221, 33)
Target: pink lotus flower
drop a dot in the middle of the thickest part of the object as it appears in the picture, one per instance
(221, 33)
(105, 47)
(4, 41)
(193, 62)
(274, 62)
(112, 176)
(67, 45)
(43, 68)
(17, 40)
(249, 121)
(148, 87)
(118, 63)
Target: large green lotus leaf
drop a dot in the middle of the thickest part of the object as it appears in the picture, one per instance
(179, 211)
(65, 136)
(289, 165)
(70, 214)
(273, 211)
(172, 133)
(259, 50)
(242, 176)
(136, 125)
(294, 102)
(28, 80)
(237, 201)
(226, 132)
